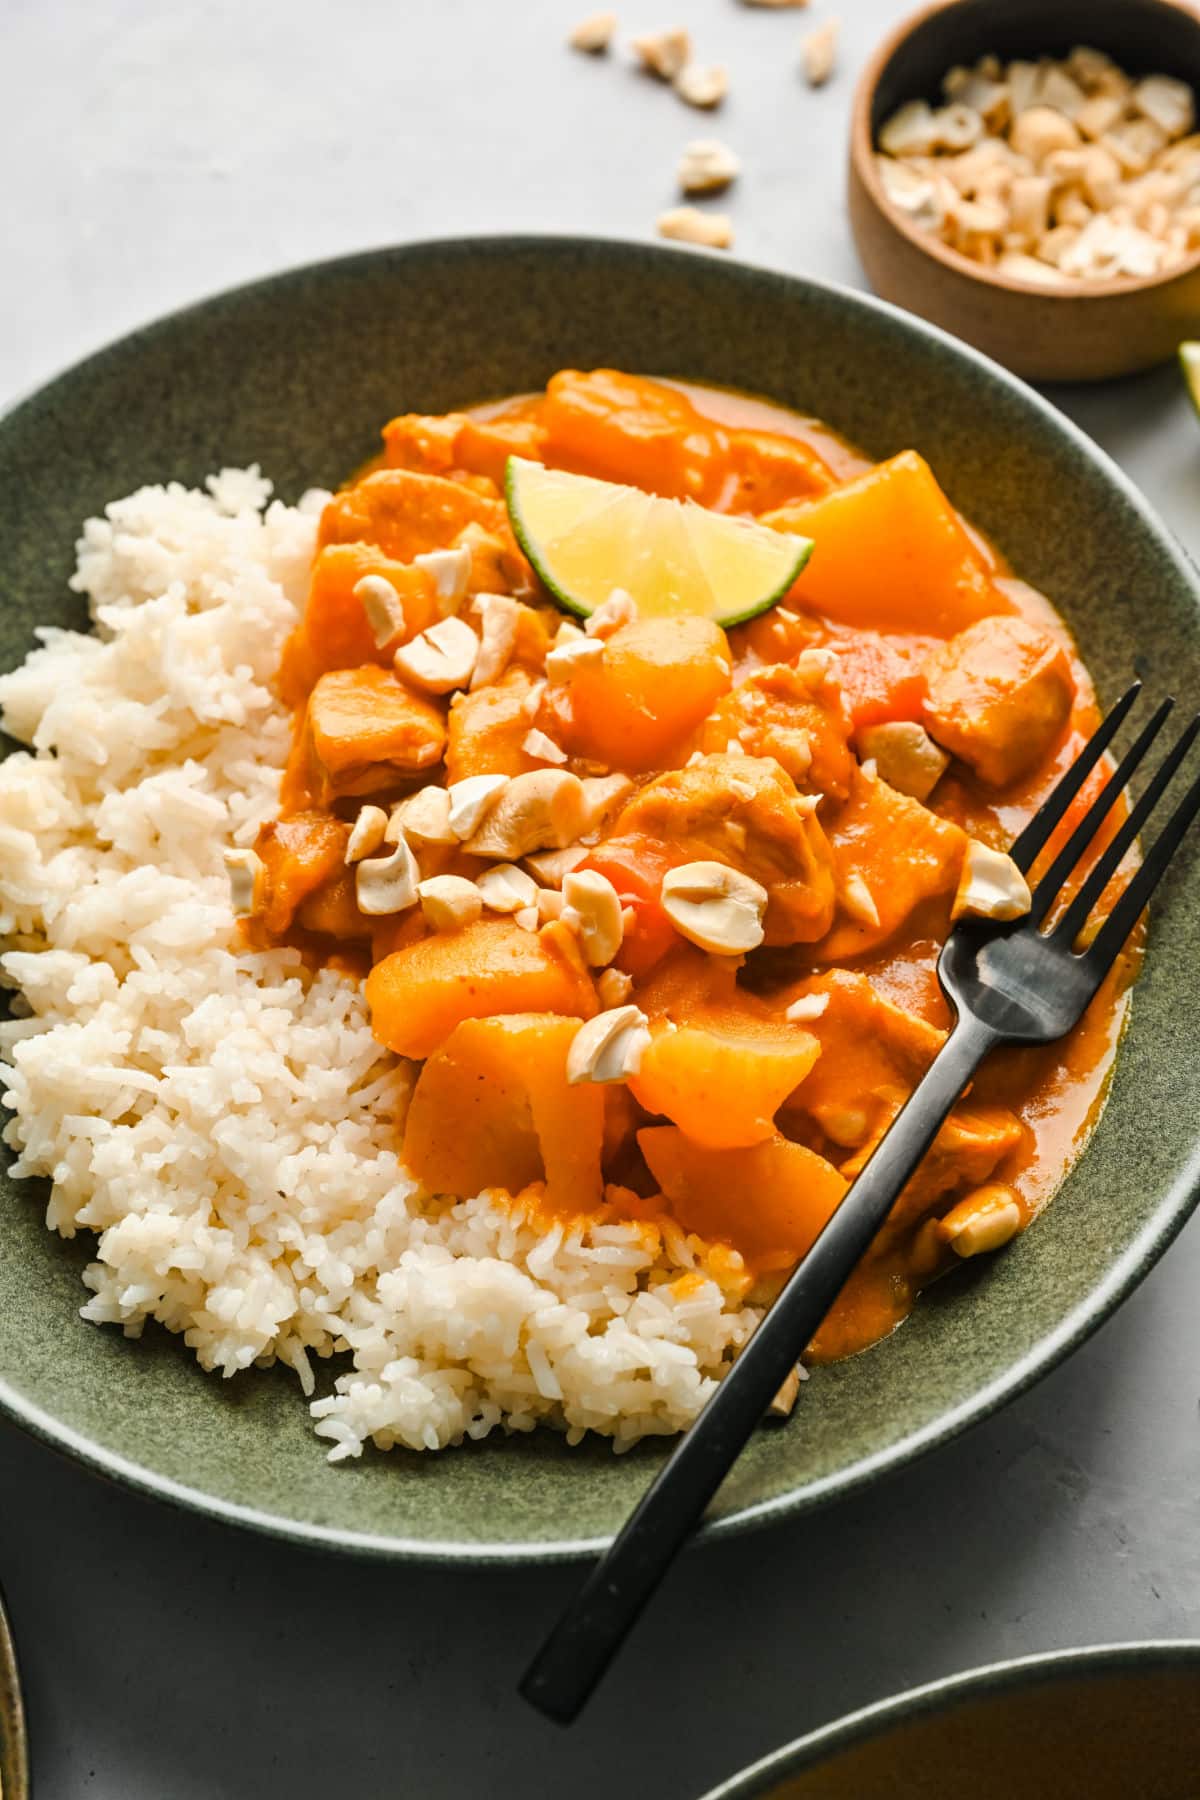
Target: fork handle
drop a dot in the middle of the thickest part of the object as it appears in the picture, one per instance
(576, 1654)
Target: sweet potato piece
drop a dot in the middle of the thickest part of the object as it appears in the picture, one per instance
(657, 681)
(492, 1108)
(406, 514)
(890, 553)
(770, 1201)
(799, 720)
(722, 1083)
(999, 695)
(742, 810)
(365, 729)
(871, 1051)
(456, 441)
(485, 730)
(419, 994)
(334, 633)
(299, 856)
(900, 851)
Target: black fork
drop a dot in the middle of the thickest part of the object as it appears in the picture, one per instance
(1014, 983)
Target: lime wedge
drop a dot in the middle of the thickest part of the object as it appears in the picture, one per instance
(587, 537)
(1189, 362)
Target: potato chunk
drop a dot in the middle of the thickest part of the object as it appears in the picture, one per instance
(365, 729)
(744, 811)
(999, 695)
(723, 1081)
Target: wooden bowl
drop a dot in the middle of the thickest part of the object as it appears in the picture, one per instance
(1090, 330)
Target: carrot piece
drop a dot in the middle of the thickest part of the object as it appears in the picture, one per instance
(657, 681)
(999, 695)
(299, 856)
(891, 553)
(770, 1201)
(492, 1108)
(636, 866)
(902, 854)
(406, 514)
(420, 993)
(364, 729)
(722, 1084)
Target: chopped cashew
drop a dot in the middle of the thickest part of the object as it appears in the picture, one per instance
(539, 811)
(609, 1047)
(688, 225)
(789, 1392)
(592, 910)
(451, 572)
(529, 918)
(707, 167)
(367, 833)
(383, 607)
(991, 885)
(982, 1221)
(425, 815)
(714, 906)
(450, 901)
(246, 871)
(905, 755)
(552, 866)
(602, 794)
(506, 889)
(619, 609)
(543, 748)
(470, 801)
(1167, 103)
(594, 34)
(819, 53)
(858, 901)
(549, 905)
(911, 131)
(664, 53)
(807, 1007)
(441, 658)
(565, 658)
(614, 987)
(387, 884)
(499, 614)
(700, 87)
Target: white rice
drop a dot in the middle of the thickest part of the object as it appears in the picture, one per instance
(223, 1120)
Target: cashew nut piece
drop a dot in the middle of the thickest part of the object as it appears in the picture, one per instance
(499, 614)
(609, 1047)
(619, 609)
(613, 987)
(387, 884)
(602, 794)
(982, 1221)
(367, 834)
(451, 572)
(808, 1006)
(247, 872)
(905, 755)
(991, 886)
(566, 656)
(716, 907)
(544, 749)
(858, 901)
(506, 889)
(450, 901)
(439, 659)
(592, 909)
(542, 810)
(470, 800)
(425, 816)
(383, 607)
(552, 866)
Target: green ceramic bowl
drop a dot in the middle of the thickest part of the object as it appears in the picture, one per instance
(298, 373)
(1119, 1723)
(14, 1755)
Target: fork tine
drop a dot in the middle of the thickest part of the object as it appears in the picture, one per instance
(1072, 921)
(1036, 834)
(1124, 915)
(1048, 887)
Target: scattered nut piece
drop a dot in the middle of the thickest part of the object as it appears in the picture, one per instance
(247, 874)
(982, 1221)
(911, 131)
(551, 867)
(619, 609)
(450, 901)
(542, 810)
(542, 748)
(664, 53)
(782, 1405)
(594, 34)
(550, 905)
(451, 572)
(602, 794)
(387, 884)
(688, 225)
(858, 901)
(905, 756)
(383, 607)
(819, 52)
(613, 987)
(439, 659)
(716, 907)
(506, 889)
(470, 800)
(991, 886)
(499, 614)
(707, 167)
(808, 1007)
(702, 87)
(425, 816)
(367, 833)
(592, 910)
(609, 1047)
(529, 918)
(565, 659)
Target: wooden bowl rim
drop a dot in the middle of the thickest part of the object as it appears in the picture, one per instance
(862, 159)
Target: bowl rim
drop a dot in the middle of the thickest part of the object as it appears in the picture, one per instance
(1174, 1205)
(806, 1753)
(864, 166)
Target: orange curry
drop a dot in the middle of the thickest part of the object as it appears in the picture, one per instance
(847, 785)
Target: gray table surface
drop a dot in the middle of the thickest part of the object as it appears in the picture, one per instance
(153, 153)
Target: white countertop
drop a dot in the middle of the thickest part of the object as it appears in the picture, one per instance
(154, 153)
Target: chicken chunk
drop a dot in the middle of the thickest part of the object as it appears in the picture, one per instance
(407, 514)
(486, 729)
(999, 695)
(744, 811)
(364, 730)
(795, 714)
(891, 855)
